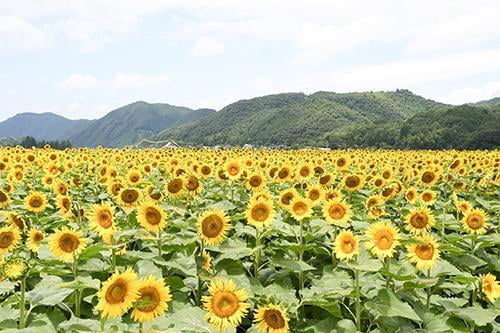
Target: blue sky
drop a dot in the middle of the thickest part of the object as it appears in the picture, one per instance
(83, 58)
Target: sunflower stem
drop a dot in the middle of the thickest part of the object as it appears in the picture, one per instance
(358, 301)
(77, 292)
(159, 244)
(113, 254)
(22, 305)
(334, 259)
(257, 254)
(388, 269)
(102, 324)
(301, 273)
(429, 292)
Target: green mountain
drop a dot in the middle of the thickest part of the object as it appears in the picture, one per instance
(131, 123)
(488, 102)
(43, 126)
(296, 118)
(459, 127)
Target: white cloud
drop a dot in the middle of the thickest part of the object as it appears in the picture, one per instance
(17, 34)
(137, 81)
(472, 94)
(207, 46)
(78, 81)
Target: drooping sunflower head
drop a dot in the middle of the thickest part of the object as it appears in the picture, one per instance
(272, 318)
(151, 216)
(207, 260)
(260, 213)
(286, 197)
(65, 244)
(226, 305)
(376, 212)
(60, 188)
(35, 202)
(463, 206)
(425, 253)
(102, 219)
(118, 294)
(419, 220)
(35, 238)
(300, 208)
(330, 194)
(64, 204)
(193, 184)
(129, 197)
(337, 212)
(475, 221)
(4, 199)
(373, 201)
(213, 226)
(16, 220)
(152, 300)
(353, 182)
(383, 238)
(9, 238)
(490, 287)
(346, 245)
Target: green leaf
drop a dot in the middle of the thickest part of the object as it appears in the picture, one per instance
(389, 305)
(476, 314)
(292, 265)
(145, 268)
(48, 292)
(6, 287)
(8, 313)
(82, 282)
(80, 325)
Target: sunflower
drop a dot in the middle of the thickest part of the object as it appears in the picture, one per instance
(330, 194)
(225, 305)
(16, 220)
(151, 216)
(343, 162)
(118, 294)
(305, 171)
(175, 187)
(35, 202)
(255, 182)
(271, 319)
(14, 269)
(213, 226)
(475, 221)
(373, 200)
(64, 204)
(9, 238)
(60, 188)
(428, 178)
(4, 199)
(128, 198)
(134, 177)
(337, 212)
(260, 213)
(300, 208)
(67, 243)
(424, 254)
(193, 184)
(233, 169)
(346, 245)
(490, 287)
(383, 239)
(428, 197)
(315, 194)
(101, 219)
(419, 220)
(353, 182)
(207, 260)
(376, 212)
(411, 194)
(286, 196)
(152, 301)
(35, 237)
(463, 206)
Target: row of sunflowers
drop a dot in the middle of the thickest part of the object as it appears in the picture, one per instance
(188, 240)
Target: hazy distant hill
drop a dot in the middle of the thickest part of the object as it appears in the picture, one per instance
(489, 102)
(133, 122)
(43, 126)
(296, 118)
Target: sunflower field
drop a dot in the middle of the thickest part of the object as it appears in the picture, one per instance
(239, 240)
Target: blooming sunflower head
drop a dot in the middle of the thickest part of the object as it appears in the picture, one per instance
(300, 208)
(346, 245)
(475, 221)
(152, 300)
(383, 238)
(35, 202)
(118, 294)
(272, 318)
(151, 216)
(101, 218)
(213, 226)
(337, 212)
(490, 287)
(225, 305)
(260, 213)
(9, 238)
(65, 244)
(4, 199)
(419, 220)
(35, 238)
(425, 253)
(129, 197)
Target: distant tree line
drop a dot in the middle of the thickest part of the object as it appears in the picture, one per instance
(29, 142)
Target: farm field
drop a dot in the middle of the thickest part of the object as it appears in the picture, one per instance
(187, 240)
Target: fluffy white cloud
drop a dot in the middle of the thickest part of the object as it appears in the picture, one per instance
(207, 46)
(18, 34)
(78, 81)
(137, 81)
(472, 94)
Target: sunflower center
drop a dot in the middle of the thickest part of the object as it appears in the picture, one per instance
(324, 179)
(487, 287)
(233, 170)
(3, 197)
(337, 212)
(341, 162)
(18, 221)
(130, 196)
(153, 216)
(428, 177)
(68, 243)
(174, 186)
(212, 226)
(36, 202)
(314, 195)
(424, 251)
(304, 172)
(105, 219)
(427, 197)
(283, 174)
(475, 221)
(255, 181)
(286, 198)
(149, 299)
(116, 292)
(410, 195)
(66, 204)
(224, 304)
(134, 178)
(419, 220)
(383, 240)
(38, 237)
(300, 208)
(274, 319)
(205, 170)
(348, 245)
(352, 181)
(260, 212)
(6, 239)
(192, 184)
